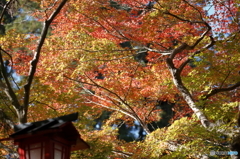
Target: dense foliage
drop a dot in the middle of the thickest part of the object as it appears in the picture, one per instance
(161, 74)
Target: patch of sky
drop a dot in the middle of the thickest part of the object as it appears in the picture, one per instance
(210, 10)
(14, 75)
(98, 126)
(221, 15)
(135, 130)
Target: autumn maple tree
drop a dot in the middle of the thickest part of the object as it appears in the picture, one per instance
(130, 57)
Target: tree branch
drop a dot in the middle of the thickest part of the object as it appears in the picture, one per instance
(8, 89)
(124, 154)
(4, 118)
(199, 12)
(5, 9)
(218, 90)
(124, 111)
(35, 60)
(176, 74)
(129, 111)
(182, 19)
(212, 42)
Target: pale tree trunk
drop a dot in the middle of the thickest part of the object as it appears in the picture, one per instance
(186, 94)
(176, 77)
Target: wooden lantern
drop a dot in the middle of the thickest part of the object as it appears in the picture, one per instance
(49, 139)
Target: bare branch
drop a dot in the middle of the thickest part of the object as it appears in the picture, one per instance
(218, 90)
(7, 54)
(212, 42)
(4, 118)
(124, 154)
(8, 90)
(35, 60)
(119, 99)
(133, 112)
(199, 12)
(110, 32)
(45, 105)
(157, 51)
(115, 109)
(5, 8)
(11, 66)
(182, 19)
(130, 111)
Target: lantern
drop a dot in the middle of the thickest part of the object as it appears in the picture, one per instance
(49, 139)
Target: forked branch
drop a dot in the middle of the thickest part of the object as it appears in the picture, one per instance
(35, 60)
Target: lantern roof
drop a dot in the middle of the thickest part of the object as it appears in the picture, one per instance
(27, 128)
(61, 125)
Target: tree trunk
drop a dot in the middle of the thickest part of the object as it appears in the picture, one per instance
(22, 114)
